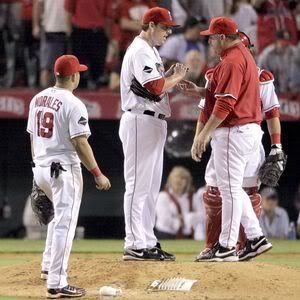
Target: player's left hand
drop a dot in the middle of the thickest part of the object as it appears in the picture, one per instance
(170, 71)
(200, 144)
(102, 183)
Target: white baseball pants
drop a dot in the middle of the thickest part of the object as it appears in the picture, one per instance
(233, 150)
(65, 192)
(251, 172)
(143, 138)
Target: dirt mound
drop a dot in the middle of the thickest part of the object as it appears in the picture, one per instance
(243, 280)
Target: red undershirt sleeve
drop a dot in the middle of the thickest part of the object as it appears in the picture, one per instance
(273, 113)
(156, 86)
(223, 107)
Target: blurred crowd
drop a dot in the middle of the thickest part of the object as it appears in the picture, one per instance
(34, 32)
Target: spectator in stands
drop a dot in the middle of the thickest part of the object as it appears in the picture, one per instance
(175, 48)
(295, 71)
(274, 220)
(49, 24)
(131, 13)
(274, 16)
(89, 23)
(176, 215)
(246, 18)
(29, 45)
(279, 58)
(209, 9)
(195, 61)
(9, 38)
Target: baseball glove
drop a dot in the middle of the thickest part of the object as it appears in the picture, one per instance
(273, 167)
(140, 91)
(41, 205)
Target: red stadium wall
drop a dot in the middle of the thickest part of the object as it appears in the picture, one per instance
(105, 105)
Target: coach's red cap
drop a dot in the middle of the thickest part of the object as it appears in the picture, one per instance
(67, 65)
(159, 15)
(221, 25)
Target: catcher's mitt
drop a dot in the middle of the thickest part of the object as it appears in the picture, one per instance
(41, 205)
(140, 91)
(273, 167)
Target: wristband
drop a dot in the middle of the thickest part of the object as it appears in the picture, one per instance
(275, 138)
(96, 171)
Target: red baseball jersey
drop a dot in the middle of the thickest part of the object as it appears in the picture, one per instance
(236, 77)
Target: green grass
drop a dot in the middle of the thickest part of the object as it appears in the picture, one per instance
(284, 252)
(116, 246)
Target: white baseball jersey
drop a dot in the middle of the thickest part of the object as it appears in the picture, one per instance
(142, 62)
(55, 117)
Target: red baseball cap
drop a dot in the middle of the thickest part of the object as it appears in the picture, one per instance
(221, 25)
(159, 15)
(67, 65)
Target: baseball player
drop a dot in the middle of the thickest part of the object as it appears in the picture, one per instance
(212, 199)
(58, 127)
(143, 129)
(231, 117)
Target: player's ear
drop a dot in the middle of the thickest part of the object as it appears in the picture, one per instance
(151, 25)
(73, 77)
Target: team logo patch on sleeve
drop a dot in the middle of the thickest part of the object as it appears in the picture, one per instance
(82, 121)
(147, 69)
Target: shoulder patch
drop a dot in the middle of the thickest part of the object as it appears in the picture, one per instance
(82, 121)
(265, 76)
(147, 69)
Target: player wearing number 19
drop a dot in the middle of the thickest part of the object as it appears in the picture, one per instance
(58, 127)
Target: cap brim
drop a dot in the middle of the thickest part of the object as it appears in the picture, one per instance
(205, 32)
(82, 68)
(171, 24)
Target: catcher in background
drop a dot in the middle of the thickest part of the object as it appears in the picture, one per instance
(212, 199)
(59, 129)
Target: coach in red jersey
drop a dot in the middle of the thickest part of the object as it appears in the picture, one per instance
(231, 117)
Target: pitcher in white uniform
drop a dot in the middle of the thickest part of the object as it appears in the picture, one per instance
(143, 129)
(58, 127)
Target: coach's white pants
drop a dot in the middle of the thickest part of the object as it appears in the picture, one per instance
(143, 138)
(65, 193)
(233, 149)
(251, 172)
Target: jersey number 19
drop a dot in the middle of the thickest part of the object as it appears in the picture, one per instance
(44, 124)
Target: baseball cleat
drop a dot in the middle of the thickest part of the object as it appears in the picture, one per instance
(204, 251)
(166, 255)
(254, 248)
(44, 275)
(65, 292)
(141, 254)
(217, 254)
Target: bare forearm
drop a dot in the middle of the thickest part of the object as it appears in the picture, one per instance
(274, 126)
(199, 128)
(36, 12)
(85, 154)
(130, 25)
(171, 81)
(212, 123)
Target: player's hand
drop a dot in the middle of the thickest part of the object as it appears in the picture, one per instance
(170, 71)
(102, 183)
(200, 145)
(180, 70)
(194, 153)
(189, 88)
(36, 31)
